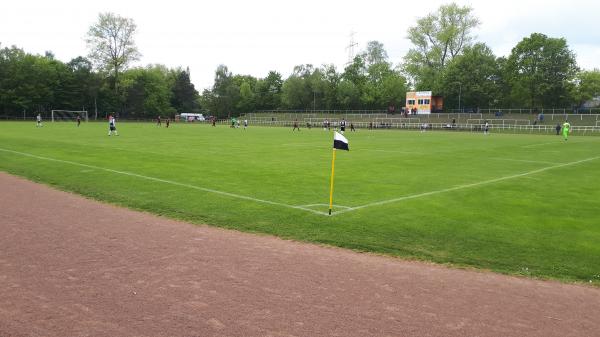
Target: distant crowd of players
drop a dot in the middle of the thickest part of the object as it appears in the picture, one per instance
(327, 125)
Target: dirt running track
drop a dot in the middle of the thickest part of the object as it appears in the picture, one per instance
(75, 267)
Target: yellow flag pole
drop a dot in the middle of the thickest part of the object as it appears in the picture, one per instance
(331, 187)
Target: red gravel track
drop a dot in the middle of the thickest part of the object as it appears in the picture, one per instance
(75, 267)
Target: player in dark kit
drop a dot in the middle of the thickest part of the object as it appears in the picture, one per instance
(296, 125)
(168, 121)
(158, 121)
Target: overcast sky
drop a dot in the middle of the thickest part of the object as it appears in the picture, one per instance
(253, 37)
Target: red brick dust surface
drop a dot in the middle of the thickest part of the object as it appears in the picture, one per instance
(70, 266)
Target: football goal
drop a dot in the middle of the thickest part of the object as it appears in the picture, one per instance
(68, 115)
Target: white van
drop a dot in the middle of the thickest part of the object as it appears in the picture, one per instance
(191, 117)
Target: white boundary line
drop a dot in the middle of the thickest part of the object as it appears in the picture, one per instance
(561, 141)
(525, 161)
(232, 195)
(539, 144)
(334, 205)
(460, 187)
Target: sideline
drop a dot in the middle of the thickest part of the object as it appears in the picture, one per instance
(232, 195)
(460, 187)
(525, 161)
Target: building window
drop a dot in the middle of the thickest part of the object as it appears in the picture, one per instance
(421, 102)
(411, 102)
(426, 101)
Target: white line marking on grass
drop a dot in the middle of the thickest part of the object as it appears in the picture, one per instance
(232, 195)
(539, 144)
(561, 141)
(460, 187)
(527, 161)
(326, 205)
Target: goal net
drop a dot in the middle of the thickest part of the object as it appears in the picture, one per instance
(68, 115)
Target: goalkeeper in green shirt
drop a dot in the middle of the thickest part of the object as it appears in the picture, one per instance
(566, 128)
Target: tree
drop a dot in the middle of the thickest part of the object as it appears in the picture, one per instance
(475, 76)
(30, 82)
(437, 38)
(184, 95)
(111, 44)
(268, 91)
(541, 71)
(246, 102)
(221, 100)
(147, 91)
(392, 90)
(300, 89)
(347, 95)
(295, 93)
(375, 53)
(84, 83)
(330, 81)
(588, 86)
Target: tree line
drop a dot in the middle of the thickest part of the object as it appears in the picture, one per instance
(540, 72)
(39, 83)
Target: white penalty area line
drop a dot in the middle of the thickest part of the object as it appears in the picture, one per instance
(460, 187)
(232, 195)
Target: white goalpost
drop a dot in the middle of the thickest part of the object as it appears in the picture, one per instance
(70, 115)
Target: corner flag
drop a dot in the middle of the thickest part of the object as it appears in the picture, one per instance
(341, 143)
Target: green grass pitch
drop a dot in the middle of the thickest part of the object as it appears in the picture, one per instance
(516, 204)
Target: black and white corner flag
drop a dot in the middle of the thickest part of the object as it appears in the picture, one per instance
(340, 142)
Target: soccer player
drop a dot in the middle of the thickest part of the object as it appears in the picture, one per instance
(232, 122)
(158, 121)
(168, 121)
(112, 126)
(558, 129)
(296, 125)
(38, 122)
(486, 128)
(566, 128)
(78, 119)
(214, 121)
(245, 124)
(343, 126)
(352, 127)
